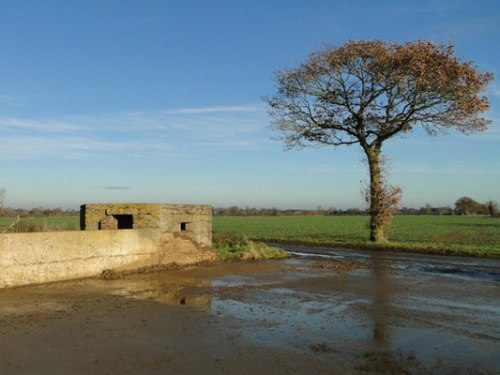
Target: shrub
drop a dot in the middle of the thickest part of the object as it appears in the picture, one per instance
(229, 246)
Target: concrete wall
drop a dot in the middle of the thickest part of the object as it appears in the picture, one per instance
(29, 258)
(194, 221)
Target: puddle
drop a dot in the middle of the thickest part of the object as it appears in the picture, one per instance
(470, 268)
(366, 312)
(194, 293)
(285, 317)
(455, 271)
(239, 280)
(432, 304)
(387, 314)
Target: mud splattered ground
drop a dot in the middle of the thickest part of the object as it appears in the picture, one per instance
(340, 313)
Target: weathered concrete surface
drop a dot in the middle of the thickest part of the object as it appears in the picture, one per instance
(194, 221)
(30, 258)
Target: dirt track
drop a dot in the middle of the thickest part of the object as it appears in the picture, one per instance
(351, 314)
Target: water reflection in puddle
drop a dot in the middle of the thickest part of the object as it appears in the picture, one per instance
(285, 317)
(273, 313)
(378, 309)
(467, 273)
(387, 312)
(194, 293)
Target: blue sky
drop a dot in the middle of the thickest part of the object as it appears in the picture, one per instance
(161, 101)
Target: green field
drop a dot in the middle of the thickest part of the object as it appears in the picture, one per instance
(472, 235)
(466, 235)
(40, 224)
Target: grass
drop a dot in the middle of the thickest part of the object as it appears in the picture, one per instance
(230, 247)
(40, 224)
(458, 235)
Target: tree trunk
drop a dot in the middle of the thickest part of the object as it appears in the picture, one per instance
(376, 196)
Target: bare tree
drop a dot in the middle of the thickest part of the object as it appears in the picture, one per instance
(492, 207)
(3, 194)
(366, 92)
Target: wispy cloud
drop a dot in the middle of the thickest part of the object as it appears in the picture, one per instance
(10, 101)
(114, 187)
(39, 125)
(351, 168)
(456, 169)
(70, 147)
(138, 134)
(215, 109)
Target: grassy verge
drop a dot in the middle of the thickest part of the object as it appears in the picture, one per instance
(39, 224)
(449, 235)
(231, 247)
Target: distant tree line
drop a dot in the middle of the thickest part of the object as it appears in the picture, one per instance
(247, 211)
(37, 212)
(463, 206)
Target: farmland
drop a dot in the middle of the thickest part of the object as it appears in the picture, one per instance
(464, 235)
(40, 224)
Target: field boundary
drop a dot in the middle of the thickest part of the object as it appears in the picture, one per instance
(477, 236)
(385, 247)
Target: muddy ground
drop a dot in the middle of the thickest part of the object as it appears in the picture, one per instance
(337, 312)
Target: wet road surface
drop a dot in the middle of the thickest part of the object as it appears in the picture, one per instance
(325, 311)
